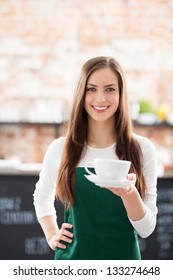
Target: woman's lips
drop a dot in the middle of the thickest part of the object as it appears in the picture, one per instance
(100, 109)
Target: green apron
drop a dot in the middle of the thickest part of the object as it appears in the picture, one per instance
(102, 230)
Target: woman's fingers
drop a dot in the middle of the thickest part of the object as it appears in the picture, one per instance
(131, 177)
(120, 191)
(125, 190)
(66, 239)
(60, 245)
(64, 235)
(66, 225)
(67, 233)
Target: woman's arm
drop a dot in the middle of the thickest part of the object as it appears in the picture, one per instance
(142, 213)
(44, 196)
(132, 201)
(134, 205)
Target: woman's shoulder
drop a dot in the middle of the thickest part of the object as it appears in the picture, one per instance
(55, 148)
(144, 142)
(57, 143)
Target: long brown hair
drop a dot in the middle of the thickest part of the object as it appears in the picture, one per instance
(127, 148)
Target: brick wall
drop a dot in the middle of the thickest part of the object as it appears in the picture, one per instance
(44, 43)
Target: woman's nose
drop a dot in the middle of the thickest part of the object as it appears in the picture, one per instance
(101, 96)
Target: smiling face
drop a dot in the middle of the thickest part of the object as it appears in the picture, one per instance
(102, 95)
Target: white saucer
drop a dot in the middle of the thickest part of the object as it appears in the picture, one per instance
(108, 183)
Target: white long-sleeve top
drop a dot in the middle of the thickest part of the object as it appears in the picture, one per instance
(44, 194)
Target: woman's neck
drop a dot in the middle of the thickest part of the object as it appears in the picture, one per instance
(101, 135)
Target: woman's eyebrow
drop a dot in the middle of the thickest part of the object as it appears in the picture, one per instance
(110, 85)
(92, 85)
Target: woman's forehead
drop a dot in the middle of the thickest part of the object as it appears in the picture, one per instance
(103, 75)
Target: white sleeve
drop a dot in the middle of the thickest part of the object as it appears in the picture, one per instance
(44, 194)
(146, 225)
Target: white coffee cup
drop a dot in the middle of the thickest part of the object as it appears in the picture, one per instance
(109, 168)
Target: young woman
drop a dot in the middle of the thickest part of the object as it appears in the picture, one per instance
(100, 223)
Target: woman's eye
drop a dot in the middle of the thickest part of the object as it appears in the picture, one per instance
(110, 89)
(91, 89)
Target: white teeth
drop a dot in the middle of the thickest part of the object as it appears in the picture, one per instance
(100, 108)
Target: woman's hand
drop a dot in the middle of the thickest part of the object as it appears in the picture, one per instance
(63, 234)
(126, 190)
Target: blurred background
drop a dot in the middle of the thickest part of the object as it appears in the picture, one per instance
(43, 44)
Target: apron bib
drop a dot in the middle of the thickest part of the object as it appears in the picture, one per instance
(102, 230)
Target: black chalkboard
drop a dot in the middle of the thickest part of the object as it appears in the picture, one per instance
(159, 245)
(21, 236)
